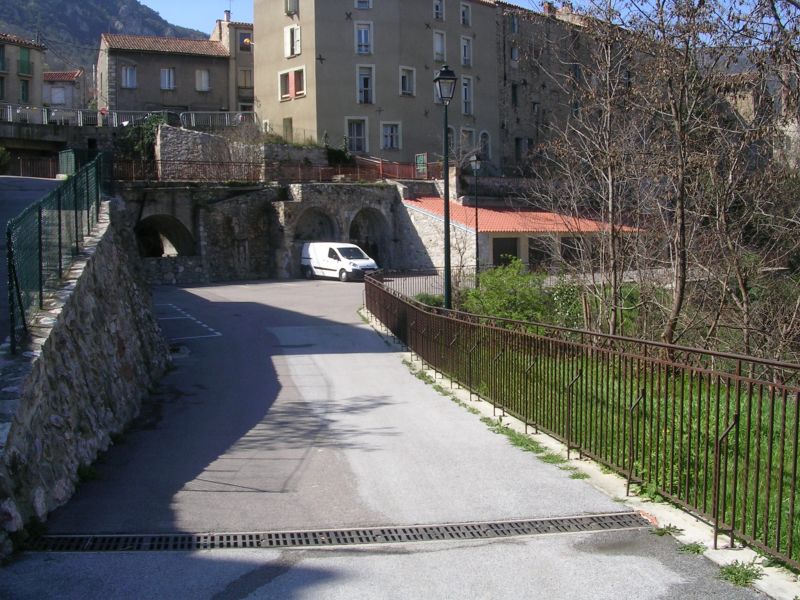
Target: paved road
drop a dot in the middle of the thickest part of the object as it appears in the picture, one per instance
(16, 194)
(287, 412)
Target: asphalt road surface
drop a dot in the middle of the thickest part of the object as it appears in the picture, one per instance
(286, 412)
(16, 194)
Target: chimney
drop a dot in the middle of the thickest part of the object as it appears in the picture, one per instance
(549, 8)
(566, 6)
(227, 16)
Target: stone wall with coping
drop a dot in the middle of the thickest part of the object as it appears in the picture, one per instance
(94, 353)
(175, 270)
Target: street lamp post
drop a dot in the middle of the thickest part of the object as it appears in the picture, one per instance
(475, 163)
(445, 81)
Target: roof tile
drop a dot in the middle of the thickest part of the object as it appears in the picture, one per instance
(146, 43)
(62, 75)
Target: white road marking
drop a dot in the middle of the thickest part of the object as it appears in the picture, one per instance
(213, 333)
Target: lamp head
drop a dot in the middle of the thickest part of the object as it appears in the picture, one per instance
(445, 81)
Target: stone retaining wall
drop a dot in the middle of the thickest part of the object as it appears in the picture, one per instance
(95, 352)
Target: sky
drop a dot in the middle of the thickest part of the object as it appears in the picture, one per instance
(201, 14)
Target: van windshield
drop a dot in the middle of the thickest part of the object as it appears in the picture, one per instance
(351, 253)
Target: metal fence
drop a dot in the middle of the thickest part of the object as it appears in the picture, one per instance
(43, 240)
(715, 433)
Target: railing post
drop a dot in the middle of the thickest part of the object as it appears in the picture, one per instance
(569, 412)
(60, 234)
(717, 462)
(630, 441)
(76, 214)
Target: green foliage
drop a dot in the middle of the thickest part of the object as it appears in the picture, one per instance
(436, 300)
(567, 309)
(668, 529)
(338, 156)
(138, 141)
(5, 158)
(509, 292)
(692, 548)
(579, 475)
(741, 573)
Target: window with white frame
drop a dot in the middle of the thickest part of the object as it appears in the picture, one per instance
(514, 54)
(363, 38)
(365, 77)
(408, 81)
(466, 96)
(466, 14)
(439, 46)
(291, 41)
(357, 134)
(363, 4)
(390, 136)
(129, 77)
(168, 78)
(202, 80)
(466, 51)
(438, 10)
(292, 84)
(291, 7)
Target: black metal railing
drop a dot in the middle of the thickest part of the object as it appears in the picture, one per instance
(715, 433)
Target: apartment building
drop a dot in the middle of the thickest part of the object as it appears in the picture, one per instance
(21, 68)
(144, 73)
(360, 73)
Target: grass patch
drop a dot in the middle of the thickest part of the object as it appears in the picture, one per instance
(568, 468)
(741, 573)
(551, 458)
(579, 475)
(692, 548)
(668, 529)
(605, 470)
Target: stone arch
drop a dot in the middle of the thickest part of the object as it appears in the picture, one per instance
(370, 230)
(164, 235)
(314, 224)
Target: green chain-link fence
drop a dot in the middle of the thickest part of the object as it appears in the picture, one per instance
(44, 239)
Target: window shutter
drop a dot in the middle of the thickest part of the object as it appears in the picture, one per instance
(297, 46)
(287, 41)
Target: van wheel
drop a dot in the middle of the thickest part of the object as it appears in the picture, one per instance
(308, 272)
(343, 275)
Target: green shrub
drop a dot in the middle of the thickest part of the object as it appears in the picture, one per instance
(510, 292)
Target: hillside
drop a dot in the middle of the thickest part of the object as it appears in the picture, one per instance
(71, 28)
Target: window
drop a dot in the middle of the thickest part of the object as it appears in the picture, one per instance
(2, 58)
(535, 111)
(467, 140)
(363, 4)
(365, 84)
(58, 96)
(24, 90)
(202, 80)
(466, 51)
(246, 78)
(292, 83)
(291, 41)
(129, 77)
(438, 10)
(390, 137)
(514, 53)
(408, 83)
(466, 14)
(486, 146)
(363, 38)
(356, 135)
(2, 88)
(514, 24)
(292, 6)
(245, 41)
(168, 78)
(25, 66)
(514, 95)
(466, 96)
(439, 46)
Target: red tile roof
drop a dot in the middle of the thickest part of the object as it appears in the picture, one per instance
(508, 220)
(62, 75)
(7, 38)
(146, 43)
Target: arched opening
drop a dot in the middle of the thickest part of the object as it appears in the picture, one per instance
(164, 235)
(314, 225)
(486, 146)
(370, 231)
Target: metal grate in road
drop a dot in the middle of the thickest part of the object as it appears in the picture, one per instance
(337, 537)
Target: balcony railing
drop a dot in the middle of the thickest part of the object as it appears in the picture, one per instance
(24, 67)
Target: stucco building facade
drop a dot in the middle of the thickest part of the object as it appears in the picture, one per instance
(21, 71)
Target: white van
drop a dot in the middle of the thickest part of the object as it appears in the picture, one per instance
(337, 260)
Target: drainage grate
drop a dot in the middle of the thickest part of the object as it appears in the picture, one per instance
(341, 537)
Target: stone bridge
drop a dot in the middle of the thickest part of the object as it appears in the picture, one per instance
(199, 233)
